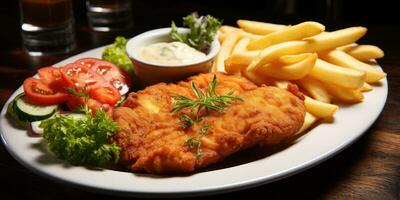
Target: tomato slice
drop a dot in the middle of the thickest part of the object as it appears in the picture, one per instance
(40, 93)
(51, 76)
(88, 62)
(112, 74)
(106, 94)
(79, 76)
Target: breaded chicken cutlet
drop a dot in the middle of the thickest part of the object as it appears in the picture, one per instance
(153, 139)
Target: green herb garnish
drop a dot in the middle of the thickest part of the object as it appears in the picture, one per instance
(82, 93)
(82, 141)
(209, 100)
(120, 102)
(186, 120)
(205, 100)
(193, 142)
(202, 31)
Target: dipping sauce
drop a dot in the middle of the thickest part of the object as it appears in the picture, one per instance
(170, 53)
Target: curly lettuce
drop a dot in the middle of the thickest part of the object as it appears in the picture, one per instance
(82, 141)
(202, 31)
(116, 54)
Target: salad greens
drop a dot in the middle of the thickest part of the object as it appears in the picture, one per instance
(116, 54)
(202, 31)
(82, 141)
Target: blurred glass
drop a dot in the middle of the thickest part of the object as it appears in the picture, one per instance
(47, 26)
(109, 15)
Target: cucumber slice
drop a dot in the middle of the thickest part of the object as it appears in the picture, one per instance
(12, 114)
(30, 112)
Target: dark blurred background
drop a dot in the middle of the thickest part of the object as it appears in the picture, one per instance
(151, 14)
(380, 17)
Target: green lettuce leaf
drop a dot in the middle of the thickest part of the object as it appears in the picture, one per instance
(82, 141)
(202, 31)
(116, 54)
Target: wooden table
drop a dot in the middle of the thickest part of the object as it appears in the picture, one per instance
(368, 169)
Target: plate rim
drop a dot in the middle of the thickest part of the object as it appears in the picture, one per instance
(192, 192)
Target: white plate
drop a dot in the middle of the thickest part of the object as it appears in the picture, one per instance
(317, 145)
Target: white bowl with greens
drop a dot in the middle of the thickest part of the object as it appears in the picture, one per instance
(172, 54)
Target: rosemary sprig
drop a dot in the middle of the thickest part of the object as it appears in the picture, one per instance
(81, 93)
(193, 142)
(207, 100)
(186, 121)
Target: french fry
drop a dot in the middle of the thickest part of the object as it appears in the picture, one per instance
(227, 29)
(241, 45)
(344, 94)
(289, 72)
(225, 51)
(314, 88)
(232, 68)
(320, 109)
(257, 79)
(366, 88)
(237, 62)
(309, 120)
(249, 35)
(244, 58)
(279, 55)
(242, 33)
(260, 28)
(290, 59)
(274, 52)
(221, 37)
(363, 52)
(330, 73)
(343, 59)
(329, 40)
(314, 108)
(281, 84)
(320, 42)
(296, 32)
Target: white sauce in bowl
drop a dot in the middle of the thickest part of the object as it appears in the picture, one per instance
(170, 53)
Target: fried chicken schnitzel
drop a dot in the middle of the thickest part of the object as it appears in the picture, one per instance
(153, 140)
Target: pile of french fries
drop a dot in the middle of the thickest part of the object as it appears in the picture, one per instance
(328, 67)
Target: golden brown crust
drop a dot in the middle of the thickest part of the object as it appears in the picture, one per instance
(153, 140)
